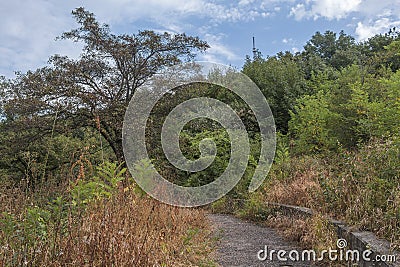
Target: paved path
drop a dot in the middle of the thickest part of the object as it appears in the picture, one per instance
(240, 241)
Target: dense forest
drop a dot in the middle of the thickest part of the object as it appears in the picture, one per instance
(66, 196)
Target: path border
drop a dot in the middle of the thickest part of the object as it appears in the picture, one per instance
(360, 240)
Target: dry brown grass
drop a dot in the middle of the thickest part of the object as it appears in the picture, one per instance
(360, 187)
(124, 230)
(314, 232)
(132, 231)
(300, 186)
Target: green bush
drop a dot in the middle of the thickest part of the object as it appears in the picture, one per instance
(313, 123)
(346, 112)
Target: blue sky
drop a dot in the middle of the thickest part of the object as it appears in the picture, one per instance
(28, 28)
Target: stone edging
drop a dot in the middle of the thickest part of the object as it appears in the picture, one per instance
(356, 240)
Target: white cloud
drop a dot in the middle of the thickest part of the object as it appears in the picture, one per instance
(28, 28)
(373, 16)
(299, 12)
(371, 28)
(245, 2)
(339, 9)
(372, 8)
(122, 11)
(334, 9)
(218, 52)
(265, 14)
(286, 40)
(174, 10)
(330, 9)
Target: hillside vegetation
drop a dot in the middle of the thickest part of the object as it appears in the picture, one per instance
(66, 197)
(337, 110)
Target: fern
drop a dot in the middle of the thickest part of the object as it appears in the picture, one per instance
(103, 185)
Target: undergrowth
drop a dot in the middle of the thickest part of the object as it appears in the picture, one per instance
(360, 187)
(96, 221)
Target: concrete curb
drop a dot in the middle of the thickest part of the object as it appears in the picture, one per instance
(356, 240)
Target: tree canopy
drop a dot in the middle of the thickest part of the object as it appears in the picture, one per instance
(95, 89)
(335, 91)
(91, 91)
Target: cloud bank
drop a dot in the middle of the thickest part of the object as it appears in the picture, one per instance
(28, 27)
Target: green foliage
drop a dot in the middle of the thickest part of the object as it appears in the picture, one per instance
(282, 153)
(36, 220)
(366, 116)
(143, 169)
(391, 113)
(255, 208)
(281, 81)
(48, 157)
(394, 47)
(192, 151)
(25, 238)
(312, 124)
(348, 111)
(379, 51)
(190, 148)
(338, 52)
(103, 184)
(89, 93)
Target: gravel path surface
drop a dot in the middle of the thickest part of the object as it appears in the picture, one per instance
(240, 241)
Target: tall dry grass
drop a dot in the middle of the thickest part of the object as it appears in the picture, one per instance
(126, 229)
(137, 231)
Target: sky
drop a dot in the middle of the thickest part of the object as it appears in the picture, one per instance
(28, 28)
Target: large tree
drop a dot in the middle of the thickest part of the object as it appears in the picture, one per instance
(328, 51)
(281, 81)
(94, 90)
